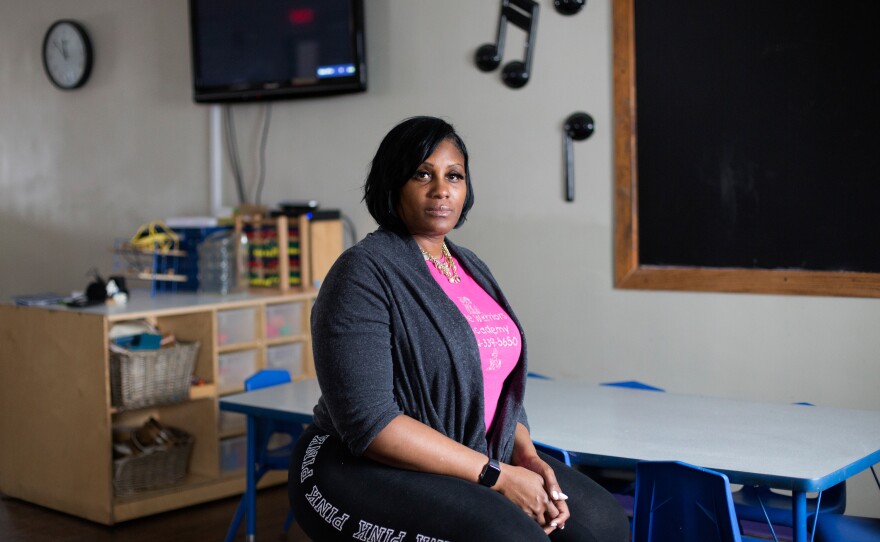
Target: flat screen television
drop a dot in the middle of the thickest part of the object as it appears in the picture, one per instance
(246, 50)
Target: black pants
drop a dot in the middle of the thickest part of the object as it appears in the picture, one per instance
(337, 496)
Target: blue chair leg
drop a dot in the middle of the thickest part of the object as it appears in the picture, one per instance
(239, 515)
(236, 521)
(288, 521)
(240, 511)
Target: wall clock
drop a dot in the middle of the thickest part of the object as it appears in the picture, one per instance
(67, 54)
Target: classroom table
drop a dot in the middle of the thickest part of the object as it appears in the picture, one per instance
(785, 446)
(802, 449)
(288, 402)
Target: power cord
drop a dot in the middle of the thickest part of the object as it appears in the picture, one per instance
(267, 117)
(232, 152)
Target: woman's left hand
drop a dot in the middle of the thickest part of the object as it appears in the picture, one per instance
(554, 492)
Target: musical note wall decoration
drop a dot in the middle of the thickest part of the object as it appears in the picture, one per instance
(568, 7)
(578, 126)
(522, 14)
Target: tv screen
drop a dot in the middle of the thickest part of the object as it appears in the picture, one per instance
(246, 50)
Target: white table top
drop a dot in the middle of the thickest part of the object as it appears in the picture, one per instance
(292, 402)
(786, 446)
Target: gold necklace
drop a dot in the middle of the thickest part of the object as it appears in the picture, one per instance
(447, 268)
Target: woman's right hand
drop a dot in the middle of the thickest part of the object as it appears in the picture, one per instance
(526, 490)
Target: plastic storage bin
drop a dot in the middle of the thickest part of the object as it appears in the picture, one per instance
(231, 422)
(221, 267)
(190, 239)
(233, 454)
(236, 326)
(234, 368)
(284, 320)
(286, 356)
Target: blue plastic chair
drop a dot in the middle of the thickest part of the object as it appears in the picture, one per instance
(769, 509)
(678, 501)
(277, 458)
(633, 384)
(840, 528)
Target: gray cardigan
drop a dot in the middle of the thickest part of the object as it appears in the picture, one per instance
(388, 341)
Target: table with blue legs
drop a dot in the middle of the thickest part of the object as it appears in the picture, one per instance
(288, 402)
(754, 443)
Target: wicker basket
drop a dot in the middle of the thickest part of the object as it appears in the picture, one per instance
(154, 470)
(152, 377)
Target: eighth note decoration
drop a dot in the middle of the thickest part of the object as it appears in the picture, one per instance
(578, 126)
(520, 13)
(568, 7)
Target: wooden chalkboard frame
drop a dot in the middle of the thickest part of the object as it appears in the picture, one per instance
(628, 271)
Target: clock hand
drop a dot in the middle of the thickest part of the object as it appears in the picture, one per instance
(60, 49)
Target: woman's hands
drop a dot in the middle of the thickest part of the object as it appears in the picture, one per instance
(532, 485)
(533, 488)
(529, 482)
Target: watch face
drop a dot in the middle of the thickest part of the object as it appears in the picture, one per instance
(490, 473)
(67, 54)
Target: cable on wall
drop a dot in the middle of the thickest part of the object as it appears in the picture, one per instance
(267, 117)
(234, 155)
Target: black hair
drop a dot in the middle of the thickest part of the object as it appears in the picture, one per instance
(400, 154)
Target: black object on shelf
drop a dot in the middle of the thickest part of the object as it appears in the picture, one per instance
(326, 214)
(295, 208)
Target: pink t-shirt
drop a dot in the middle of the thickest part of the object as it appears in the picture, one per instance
(497, 335)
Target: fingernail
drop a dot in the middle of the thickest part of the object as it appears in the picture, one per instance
(561, 527)
(553, 524)
(562, 496)
(555, 495)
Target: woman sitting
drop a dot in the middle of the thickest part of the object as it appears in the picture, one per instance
(420, 433)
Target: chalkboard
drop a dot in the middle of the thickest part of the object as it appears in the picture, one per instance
(747, 146)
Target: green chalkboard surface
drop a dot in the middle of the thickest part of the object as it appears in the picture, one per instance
(748, 145)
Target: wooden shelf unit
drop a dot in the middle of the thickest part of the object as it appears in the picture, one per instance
(278, 251)
(56, 416)
(298, 248)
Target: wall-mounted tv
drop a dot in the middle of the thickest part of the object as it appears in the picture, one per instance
(245, 50)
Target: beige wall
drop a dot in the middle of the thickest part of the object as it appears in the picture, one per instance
(80, 168)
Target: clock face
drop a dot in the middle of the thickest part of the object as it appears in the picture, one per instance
(67, 55)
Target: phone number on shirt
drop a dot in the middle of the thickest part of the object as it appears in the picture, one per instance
(496, 342)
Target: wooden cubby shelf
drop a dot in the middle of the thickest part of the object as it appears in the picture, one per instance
(56, 407)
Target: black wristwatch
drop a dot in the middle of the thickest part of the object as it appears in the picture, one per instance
(490, 473)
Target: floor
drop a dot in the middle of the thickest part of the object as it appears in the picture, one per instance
(24, 522)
